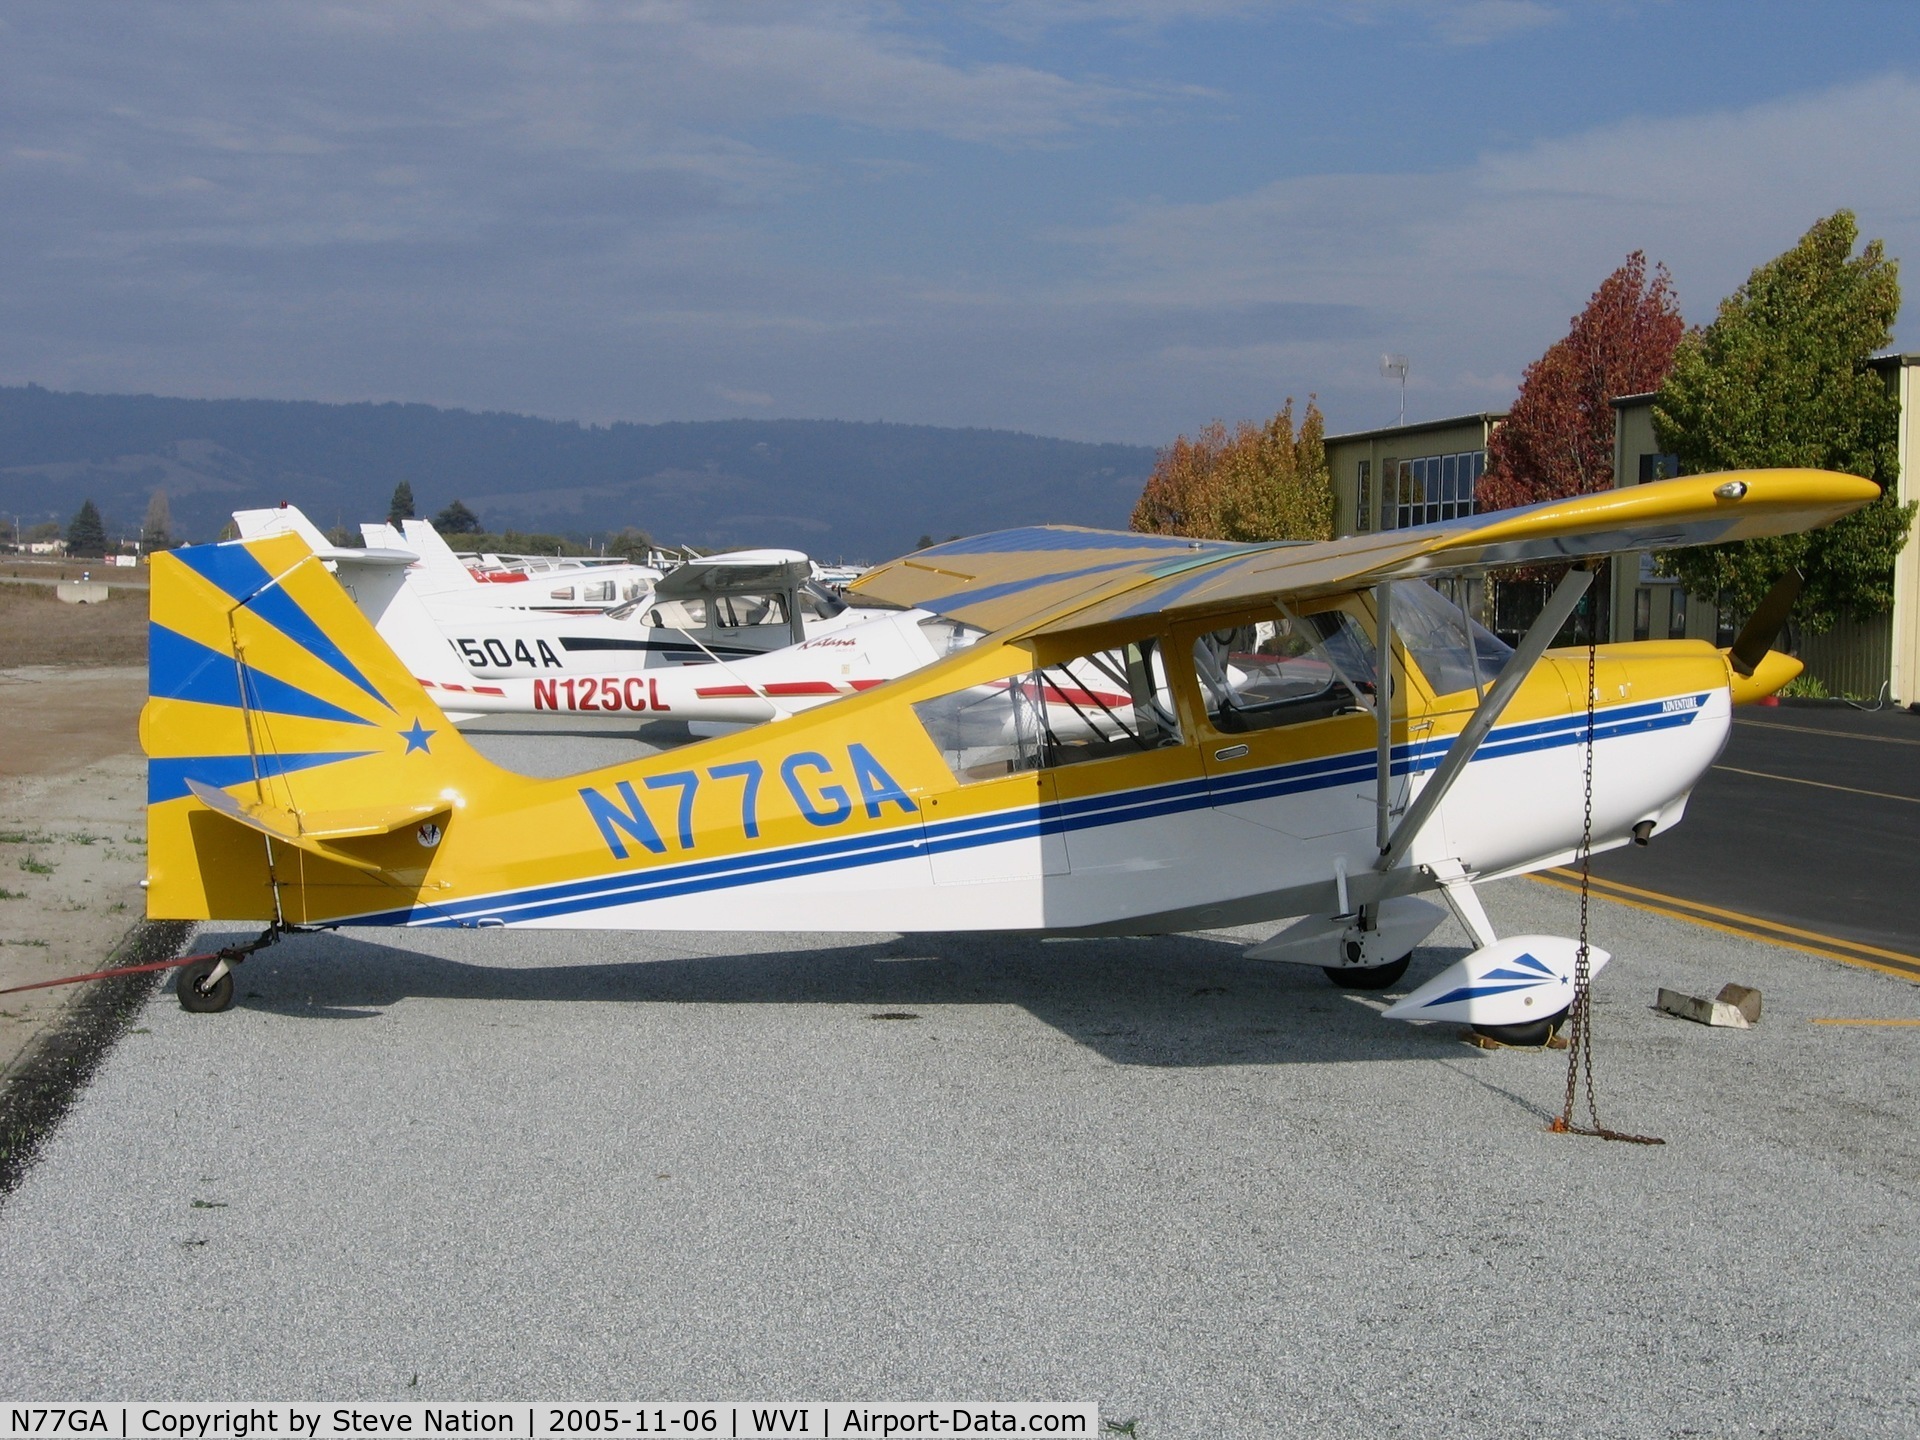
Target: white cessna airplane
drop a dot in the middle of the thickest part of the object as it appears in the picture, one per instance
(561, 583)
(485, 658)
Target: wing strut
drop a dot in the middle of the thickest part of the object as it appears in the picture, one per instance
(1558, 607)
(1383, 715)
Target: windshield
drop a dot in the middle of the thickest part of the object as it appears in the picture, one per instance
(819, 603)
(1452, 650)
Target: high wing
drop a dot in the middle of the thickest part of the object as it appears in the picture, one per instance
(733, 573)
(1045, 580)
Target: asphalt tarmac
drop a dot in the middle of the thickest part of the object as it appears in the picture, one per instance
(1221, 1198)
(1810, 819)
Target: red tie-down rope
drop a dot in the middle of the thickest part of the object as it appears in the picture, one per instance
(234, 953)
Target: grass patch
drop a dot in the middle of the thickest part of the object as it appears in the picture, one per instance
(1805, 687)
(37, 629)
(36, 944)
(35, 866)
(6, 894)
(81, 837)
(22, 837)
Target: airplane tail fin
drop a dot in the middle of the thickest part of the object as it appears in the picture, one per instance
(444, 568)
(296, 770)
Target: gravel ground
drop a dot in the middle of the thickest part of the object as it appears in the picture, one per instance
(1219, 1197)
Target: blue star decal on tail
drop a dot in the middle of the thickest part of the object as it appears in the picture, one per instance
(417, 738)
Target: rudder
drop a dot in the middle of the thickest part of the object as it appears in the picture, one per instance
(325, 768)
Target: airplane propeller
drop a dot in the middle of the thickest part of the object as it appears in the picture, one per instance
(1763, 627)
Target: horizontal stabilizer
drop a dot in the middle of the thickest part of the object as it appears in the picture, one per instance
(316, 830)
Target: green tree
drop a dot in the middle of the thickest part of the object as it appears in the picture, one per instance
(631, 542)
(401, 506)
(1780, 378)
(1264, 482)
(85, 534)
(456, 519)
(156, 532)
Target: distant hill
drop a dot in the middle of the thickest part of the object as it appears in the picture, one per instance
(838, 489)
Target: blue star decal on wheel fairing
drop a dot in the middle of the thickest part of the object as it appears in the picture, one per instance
(417, 738)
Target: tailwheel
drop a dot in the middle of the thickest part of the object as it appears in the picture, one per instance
(1368, 977)
(196, 995)
(1529, 1035)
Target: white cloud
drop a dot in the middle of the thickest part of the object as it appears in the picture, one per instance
(1487, 20)
(1473, 272)
(1456, 22)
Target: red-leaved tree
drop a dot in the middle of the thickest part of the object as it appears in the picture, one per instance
(1558, 438)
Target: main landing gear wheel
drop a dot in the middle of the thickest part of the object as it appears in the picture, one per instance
(196, 996)
(1368, 977)
(1530, 1035)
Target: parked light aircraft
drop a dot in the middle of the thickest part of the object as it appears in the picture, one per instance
(490, 658)
(561, 584)
(297, 773)
(556, 583)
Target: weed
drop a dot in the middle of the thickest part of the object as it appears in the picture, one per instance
(6, 894)
(20, 837)
(209, 1204)
(81, 837)
(36, 944)
(35, 866)
(1805, 687)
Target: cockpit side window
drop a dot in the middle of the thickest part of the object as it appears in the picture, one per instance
(733, 611)
(1452, 651)
(1092, 707)
(1104, 703)
(689, 614)
(1285, 671)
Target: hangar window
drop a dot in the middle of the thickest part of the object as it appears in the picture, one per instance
(1430, 488)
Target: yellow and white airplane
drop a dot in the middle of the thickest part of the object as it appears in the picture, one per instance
(1240, 761)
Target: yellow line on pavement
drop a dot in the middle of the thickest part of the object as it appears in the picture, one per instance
(1842, 1020)
(1747, 927)
(1836, 734)
(1820, 784)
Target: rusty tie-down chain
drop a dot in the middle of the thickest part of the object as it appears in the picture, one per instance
(1580, 1014)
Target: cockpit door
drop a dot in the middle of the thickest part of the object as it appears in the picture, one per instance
(1287, 731)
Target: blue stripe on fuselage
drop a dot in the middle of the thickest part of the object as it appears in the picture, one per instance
(1092, 812)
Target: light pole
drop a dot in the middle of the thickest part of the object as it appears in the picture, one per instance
(1392, 367)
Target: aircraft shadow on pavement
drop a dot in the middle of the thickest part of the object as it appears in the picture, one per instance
(1179, 1000)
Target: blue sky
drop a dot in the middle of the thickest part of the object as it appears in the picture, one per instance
(1106, 221)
